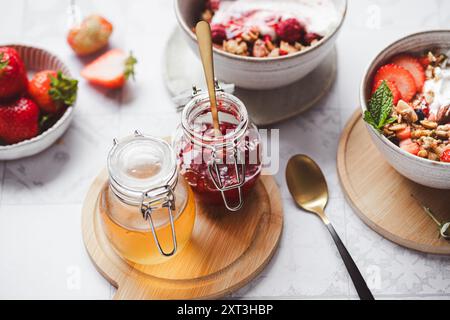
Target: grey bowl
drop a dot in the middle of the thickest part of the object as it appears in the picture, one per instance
(258, 73)
(423, 171)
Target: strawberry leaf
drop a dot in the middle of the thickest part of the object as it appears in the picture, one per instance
(3, 64)
(63, 90)
(129, 66)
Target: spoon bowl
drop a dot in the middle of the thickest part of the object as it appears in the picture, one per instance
(307, 184)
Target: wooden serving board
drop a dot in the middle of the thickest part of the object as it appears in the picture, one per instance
(383, 200)
(225, 252)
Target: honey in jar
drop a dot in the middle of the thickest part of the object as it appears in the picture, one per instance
(147, 212)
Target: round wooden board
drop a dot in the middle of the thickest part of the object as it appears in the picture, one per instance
(225, 252)
(382, 197)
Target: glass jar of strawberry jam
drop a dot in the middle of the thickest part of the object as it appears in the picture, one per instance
(147, 212)
(221, 167)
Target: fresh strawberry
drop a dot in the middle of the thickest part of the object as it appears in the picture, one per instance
(13, 75)
(110, 70)
(19, 120)
(392, 86)
(218, 33)
(405, 142)
(290, 30)
(409, 146)
(399, 76)
(445, 157)
(404, 134)
(413, 66)
(52, 90)
(90, 36)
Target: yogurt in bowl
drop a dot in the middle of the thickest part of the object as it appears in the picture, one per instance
(437, 87)
(267, 28)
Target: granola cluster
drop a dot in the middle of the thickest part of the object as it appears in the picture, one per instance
(290, 36)
(416, 129)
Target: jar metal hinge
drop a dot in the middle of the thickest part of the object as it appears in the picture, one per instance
(161, 197)
(240, 178)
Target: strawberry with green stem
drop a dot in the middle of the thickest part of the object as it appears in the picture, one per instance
(13, 75)
(53, 91)
(111, 70)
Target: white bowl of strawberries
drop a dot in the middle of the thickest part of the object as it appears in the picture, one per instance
(405, 100)
(37, 97)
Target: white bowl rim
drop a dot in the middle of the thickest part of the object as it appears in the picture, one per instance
(310, 49)
(67, 114)
(363, 103)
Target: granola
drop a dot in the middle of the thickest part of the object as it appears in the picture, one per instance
(268, 28)
(419, 88)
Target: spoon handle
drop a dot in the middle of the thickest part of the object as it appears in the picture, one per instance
(358, 280)
(204, 39)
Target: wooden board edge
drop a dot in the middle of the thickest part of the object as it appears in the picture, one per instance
(350, 194)
(87, 228)
(114, 275)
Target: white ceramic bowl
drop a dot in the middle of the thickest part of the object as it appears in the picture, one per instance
(258, 73)
(423, 171)
(37, 59)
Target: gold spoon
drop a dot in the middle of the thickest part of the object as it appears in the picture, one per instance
(203, 32)
(308, 187)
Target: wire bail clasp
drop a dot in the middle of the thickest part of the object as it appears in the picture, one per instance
(240, 177)
(161, 197)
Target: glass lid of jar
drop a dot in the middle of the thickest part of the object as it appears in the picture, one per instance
(140, 163)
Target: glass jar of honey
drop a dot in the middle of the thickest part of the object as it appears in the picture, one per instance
(221, 167)
(147, 212)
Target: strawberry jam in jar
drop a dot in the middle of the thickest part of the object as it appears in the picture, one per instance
(220, 166)
(147, 213)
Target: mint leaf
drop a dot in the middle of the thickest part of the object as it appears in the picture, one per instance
(368, 118)
(380, 107)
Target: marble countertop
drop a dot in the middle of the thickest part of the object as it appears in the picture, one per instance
(41, 249)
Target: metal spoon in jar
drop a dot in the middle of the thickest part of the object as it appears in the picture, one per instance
(204, 39)
(308, 187)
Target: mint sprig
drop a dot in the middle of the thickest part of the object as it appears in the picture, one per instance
(378, 113)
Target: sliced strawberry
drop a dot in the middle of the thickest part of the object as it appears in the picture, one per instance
(405, 142)
(445, 157)
(404, 134)
(402, 79)
(392, 86)
(424, 61)
(414, 66)
(410, 146)
(110, 70)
